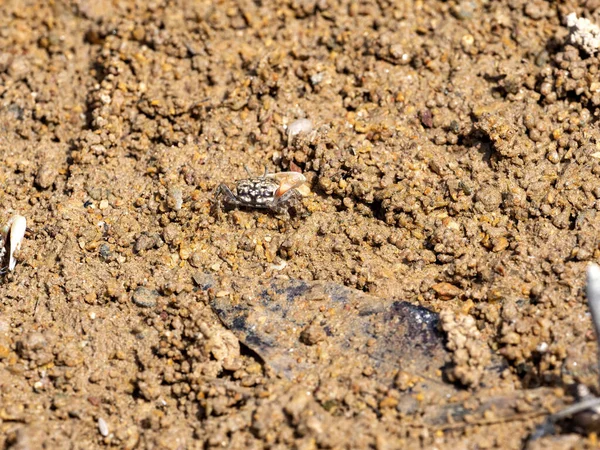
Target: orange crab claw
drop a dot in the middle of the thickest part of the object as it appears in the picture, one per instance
(287, 181)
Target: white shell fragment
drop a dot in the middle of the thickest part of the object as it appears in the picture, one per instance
(583, 33)
(102, 427)
(18, 225)
(299, 126)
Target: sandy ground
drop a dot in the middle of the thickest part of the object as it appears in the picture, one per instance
(452, 162)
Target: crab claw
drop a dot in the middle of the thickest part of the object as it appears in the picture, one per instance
(18, 225)
(287, 181)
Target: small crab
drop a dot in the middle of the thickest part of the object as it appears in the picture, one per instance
(11, 237)
(276, 192)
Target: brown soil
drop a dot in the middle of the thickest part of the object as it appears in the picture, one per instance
(451, 165)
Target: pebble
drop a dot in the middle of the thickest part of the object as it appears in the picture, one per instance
(145, 242)
(45, 176)
(317, 78)
(490, 197)
(426, 118)
(171, 233)
(4, 351)
(203, 280)
(175, 198)
(446, 291)
(104, 251)
(102, 427)
(145, 297)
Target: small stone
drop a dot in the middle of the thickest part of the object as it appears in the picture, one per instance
(4, 351)
(175, 198)
(138, 33)
(404, 381)
(104, 251)
(171, 233)
(446, 291)
(317, 78)
(144, 242)
(298, 403)
(195, 259)
(144, 297)
(185, 252)
(388, 402)
(426, 118)
(553, 157)
(312, 334)
(467, 42)
(45, 176)
(103, 204)
(5, 61)
(500, 244)
(368, 371)
(204, 280)
(490, 198)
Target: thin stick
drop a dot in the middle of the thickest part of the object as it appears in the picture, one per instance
(593, 296)
(575, 408)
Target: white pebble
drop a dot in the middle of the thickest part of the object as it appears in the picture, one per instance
(175, 199)
(542, 347)
(105, 98)
(317, 78)
(102, 427)
(300, 126)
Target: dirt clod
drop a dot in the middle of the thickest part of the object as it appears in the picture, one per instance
(450, 150)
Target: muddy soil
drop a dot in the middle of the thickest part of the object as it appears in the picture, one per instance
(453, 164)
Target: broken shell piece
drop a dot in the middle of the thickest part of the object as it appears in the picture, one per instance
(290, 180)
(12, 236)
(300, 126)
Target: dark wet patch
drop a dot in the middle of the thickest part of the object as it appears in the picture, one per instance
(361, 331)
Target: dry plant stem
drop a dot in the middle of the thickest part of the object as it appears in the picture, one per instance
(593, 296)
(576, 408)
